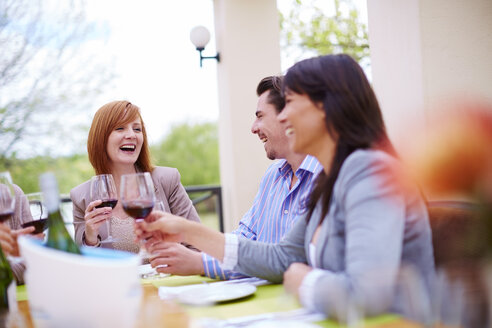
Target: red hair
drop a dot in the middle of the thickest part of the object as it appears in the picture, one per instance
(106, 119)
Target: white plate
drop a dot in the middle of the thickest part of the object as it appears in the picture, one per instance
(209, 294)
(145, 269)
(283, 324)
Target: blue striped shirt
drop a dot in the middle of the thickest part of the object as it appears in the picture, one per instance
(275, 208)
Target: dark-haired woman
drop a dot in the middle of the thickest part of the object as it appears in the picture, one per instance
(360, 226)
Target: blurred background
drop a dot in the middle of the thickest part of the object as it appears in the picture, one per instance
(62, 60)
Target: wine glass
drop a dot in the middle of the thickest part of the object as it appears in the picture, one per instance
(38, 212)
(137, 196)
(103, 188)
(159, 206)
(7, 197)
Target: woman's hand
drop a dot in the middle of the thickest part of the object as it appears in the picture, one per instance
(7, 240)
(94, 217)
(160, 226)
(17, 233)
(294, 276)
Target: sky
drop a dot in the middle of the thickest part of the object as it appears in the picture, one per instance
(147, 45)
(156, 64)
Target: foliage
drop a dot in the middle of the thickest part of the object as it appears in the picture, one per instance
(193, 150)
(47, 78)
(69, 170)
(308, 27)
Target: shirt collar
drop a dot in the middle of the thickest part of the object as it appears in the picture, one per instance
(309, 164)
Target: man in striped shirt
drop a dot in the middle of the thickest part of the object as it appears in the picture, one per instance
(277, 204)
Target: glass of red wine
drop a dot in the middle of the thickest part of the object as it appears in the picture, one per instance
(38, 212)
(7, 197)
(137, 196)
(103, 188)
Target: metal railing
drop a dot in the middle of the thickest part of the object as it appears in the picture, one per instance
(210, 192)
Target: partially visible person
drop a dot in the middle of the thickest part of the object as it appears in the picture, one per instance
(7, 240)
(278, 202)
(360, 229)
(12, 228)
(117, 145)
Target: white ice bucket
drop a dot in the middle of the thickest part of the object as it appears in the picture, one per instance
(99, 289)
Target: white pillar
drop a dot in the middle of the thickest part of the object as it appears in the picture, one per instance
(426, 51)
(247, 37)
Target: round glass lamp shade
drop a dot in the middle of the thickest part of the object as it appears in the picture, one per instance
(199, 36)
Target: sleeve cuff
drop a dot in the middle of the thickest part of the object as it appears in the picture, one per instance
(230, 251)
(96, 245)
(308, 288)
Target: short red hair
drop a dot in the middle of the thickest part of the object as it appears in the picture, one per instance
(106, 119)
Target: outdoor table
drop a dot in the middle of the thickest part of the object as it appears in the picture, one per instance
(155, 312)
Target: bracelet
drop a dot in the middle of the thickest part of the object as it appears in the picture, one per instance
(96, 245)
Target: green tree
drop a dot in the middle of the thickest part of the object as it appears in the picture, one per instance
(192, 149)
(69, 170)
(48, 78)
(308, 28)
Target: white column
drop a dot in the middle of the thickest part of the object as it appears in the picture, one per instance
(424, 52)
(247, 37)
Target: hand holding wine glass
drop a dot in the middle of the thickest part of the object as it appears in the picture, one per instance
(7, 240)
(103, 190)
(137, 197)
(137, 194)
(39, 214)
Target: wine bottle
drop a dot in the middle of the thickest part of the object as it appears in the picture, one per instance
(7, 283)
(58, 236)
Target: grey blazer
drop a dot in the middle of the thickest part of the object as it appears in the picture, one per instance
(168, 188)
(371, 230)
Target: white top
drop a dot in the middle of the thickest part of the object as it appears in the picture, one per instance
(312, 254)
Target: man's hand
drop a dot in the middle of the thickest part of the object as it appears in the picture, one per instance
(179, 259)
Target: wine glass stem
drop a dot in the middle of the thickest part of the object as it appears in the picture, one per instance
(108, 227)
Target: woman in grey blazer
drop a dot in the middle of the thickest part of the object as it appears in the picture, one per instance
(117, 145)
(362, 225)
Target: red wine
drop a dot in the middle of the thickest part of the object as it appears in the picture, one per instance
(138, 209)
(7, 215)
(39, 225)
(108, 203)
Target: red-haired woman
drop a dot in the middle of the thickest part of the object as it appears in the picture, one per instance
(117, 145)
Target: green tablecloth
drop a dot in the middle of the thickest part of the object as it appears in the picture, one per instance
(268, 298)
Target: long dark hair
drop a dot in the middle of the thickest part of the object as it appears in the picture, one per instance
(352, 113)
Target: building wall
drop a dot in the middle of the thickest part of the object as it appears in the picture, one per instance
(247, 37)
(425, 52)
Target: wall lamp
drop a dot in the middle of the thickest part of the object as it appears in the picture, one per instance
(200, 36)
